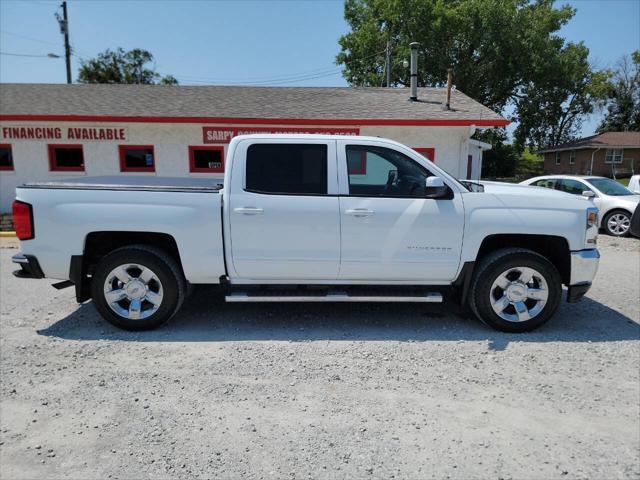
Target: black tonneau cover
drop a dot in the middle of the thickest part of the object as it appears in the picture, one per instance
(134, 182)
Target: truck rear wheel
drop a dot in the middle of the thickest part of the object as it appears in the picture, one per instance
(515, 290)
(138, 287)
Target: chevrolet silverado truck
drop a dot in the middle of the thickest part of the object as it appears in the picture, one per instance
(309, 218)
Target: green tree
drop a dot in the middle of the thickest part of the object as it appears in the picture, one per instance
(122, 67)
(501, 53)
(551, 110)
(623, 100)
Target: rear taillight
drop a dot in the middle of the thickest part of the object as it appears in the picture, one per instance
(23, 220)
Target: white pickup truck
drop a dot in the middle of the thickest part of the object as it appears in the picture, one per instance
(309, 218)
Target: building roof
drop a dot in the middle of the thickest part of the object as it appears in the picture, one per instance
(274, 105)
(602, 140)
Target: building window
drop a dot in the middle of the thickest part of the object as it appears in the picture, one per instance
(572, 157)
(137, 158)
(613, 155)
(287, 169)
(66, 158)
(428, 153)
(206, 159)
(557, 158)
(6, 157)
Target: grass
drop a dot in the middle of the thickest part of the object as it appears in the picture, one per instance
(623, 181)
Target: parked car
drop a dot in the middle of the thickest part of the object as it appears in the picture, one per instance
(615, 202)
(634, 184)
(309, 218)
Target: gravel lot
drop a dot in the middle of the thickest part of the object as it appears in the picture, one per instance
(322, 391)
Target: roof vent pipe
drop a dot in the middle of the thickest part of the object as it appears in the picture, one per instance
(449, 82)
(414, 70)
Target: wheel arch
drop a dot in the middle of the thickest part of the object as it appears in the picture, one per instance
(554, 248)
(100, 243)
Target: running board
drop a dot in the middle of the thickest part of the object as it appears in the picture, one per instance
(332, 297)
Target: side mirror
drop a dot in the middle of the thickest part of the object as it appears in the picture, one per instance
(588, 194)
(435, 188)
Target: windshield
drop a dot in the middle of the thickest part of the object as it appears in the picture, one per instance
(609, 187)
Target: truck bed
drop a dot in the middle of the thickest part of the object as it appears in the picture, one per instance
(133, 183)
(67, 212)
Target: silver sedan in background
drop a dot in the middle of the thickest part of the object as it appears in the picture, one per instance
(615, 202)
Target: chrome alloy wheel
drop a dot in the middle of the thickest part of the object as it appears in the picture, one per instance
(618, 223)
(519, 294)
(133, 291)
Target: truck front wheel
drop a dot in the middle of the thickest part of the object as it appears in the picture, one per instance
(138, 287)
(515, 290)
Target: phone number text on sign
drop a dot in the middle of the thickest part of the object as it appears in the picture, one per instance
(225, 134)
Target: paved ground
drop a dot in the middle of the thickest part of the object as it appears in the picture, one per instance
(328, 391)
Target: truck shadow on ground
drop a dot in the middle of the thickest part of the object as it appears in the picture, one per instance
(205, 317)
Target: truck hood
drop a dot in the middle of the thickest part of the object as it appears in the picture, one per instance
(514, 195)
(517, 189)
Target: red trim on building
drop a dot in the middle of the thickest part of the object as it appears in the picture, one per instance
(259, 121)
(53, 167)
(123, 166)
(428, 152)
(192, 160)
(7, 168)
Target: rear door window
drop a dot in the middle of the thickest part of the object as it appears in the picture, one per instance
(546, 183)
(572, 186)
(288, 169)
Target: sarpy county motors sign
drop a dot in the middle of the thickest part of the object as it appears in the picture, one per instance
(64, 133)
(224, 134)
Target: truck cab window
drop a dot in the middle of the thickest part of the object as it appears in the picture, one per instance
(287, 169)
(383, 172)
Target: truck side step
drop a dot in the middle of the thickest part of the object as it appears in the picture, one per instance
(268, 296)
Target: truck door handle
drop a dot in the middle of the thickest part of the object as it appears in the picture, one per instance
(359, 212)
(248, 210)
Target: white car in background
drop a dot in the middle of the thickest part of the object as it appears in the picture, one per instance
(615, 202)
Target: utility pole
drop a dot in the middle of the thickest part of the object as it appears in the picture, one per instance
(388, 64)
(64, 29)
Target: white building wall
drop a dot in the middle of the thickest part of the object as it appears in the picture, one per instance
(171, 141)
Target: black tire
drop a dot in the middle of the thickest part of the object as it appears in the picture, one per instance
(607, 217)
(500, 261)
(167, 271)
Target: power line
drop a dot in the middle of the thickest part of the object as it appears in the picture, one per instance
(29, 38)
(299, 78)
(278, 80)
(49, 55)
(264, 79)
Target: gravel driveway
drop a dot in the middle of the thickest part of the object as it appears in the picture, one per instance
(321, 391)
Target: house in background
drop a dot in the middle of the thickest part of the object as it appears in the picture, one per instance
(608, 154)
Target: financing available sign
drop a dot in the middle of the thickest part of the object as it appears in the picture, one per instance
(224, 134)
(25, 132)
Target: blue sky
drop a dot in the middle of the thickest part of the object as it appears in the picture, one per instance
(264, 42)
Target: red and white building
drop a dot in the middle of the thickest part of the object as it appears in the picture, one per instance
(51, 132)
